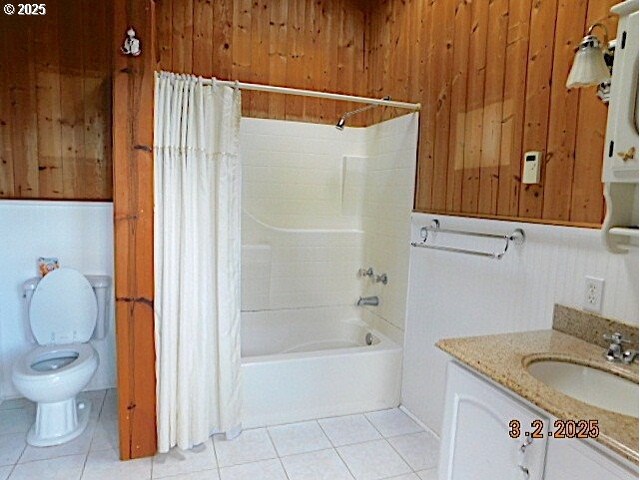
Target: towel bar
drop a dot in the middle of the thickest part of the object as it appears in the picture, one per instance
(517, 237)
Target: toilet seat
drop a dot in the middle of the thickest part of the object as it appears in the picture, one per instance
(63, 308)
(24, 366)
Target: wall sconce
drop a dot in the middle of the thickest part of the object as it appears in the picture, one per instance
(131, 45)
(593, 63)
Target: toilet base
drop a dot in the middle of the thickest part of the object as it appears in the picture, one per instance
(58, 423)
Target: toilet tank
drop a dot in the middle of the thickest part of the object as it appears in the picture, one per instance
(101, 287)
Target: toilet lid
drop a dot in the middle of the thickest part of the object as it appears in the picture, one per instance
(63, 308)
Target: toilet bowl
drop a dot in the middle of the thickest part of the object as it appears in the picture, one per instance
(62, 311)
(52, 376)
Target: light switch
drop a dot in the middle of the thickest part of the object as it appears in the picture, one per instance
(531, 173)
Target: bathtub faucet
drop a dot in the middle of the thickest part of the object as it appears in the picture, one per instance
(372, 301)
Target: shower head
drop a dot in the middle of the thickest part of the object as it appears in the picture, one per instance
(343, 120)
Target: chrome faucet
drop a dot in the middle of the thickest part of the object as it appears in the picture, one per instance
(615, 353)
(371, 301)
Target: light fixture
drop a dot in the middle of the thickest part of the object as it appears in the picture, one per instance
(592, 63)
(131, 44)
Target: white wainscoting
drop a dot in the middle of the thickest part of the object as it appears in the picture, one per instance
(80, 234)
(456, 295)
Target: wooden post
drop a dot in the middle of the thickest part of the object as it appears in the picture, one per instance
(133, 84)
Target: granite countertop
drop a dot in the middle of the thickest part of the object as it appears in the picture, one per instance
(503, 358)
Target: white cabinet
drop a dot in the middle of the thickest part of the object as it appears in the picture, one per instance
(476, 444)
(576, 460)
(621, 149)
(620, 171)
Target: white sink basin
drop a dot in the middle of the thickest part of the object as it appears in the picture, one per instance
(589, 385)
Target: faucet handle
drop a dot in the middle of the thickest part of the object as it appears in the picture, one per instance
(616, 338)
(366, 272)
(382, 279)
(628, 356)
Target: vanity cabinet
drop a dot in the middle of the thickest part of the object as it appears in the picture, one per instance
(476, 443)
(575, 460)
(475, 439)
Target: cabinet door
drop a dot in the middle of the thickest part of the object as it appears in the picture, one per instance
(622, 130)
(475, 435)
(572, 459)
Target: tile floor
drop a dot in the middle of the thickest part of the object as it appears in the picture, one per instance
(372, 446)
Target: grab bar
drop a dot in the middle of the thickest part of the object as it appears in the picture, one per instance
(517, 237)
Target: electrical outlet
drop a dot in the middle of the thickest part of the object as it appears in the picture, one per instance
(593, 290)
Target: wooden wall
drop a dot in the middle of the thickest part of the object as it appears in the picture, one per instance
(491, 78)
(55, 102)
(312, 44)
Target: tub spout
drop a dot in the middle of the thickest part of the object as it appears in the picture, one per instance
(372, 301)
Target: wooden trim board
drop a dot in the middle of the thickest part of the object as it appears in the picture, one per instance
(133, 84)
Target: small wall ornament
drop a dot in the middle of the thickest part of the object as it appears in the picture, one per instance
(131, 44)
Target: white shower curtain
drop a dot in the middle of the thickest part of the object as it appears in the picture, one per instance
(197, 260)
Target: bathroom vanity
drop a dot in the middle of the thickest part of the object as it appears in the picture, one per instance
(538, 405)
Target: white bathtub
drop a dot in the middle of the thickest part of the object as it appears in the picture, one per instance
(311, 363)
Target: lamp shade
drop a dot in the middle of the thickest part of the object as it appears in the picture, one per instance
(589, 67)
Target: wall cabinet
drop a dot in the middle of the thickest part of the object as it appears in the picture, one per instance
(620, 171)
(476, 443)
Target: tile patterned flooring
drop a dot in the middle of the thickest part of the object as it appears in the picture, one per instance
(371, 446)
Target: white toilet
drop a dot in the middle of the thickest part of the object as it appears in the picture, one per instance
(65, 310)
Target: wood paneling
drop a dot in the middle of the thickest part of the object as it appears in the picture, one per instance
(492, 85)
(55, 102)
(133, 85)
(314, 44)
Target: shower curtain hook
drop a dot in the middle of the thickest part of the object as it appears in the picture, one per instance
(236, 85)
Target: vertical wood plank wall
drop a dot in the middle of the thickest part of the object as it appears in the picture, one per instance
(313, 44)
(490, 76)
(492, 83)
(55, 102)
(133, 83)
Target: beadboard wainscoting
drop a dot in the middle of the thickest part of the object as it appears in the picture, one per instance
(80, 234)
(453, 294)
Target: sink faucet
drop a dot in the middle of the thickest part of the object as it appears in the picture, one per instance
(372, 301)
(615, 353)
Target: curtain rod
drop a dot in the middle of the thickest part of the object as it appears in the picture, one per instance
(312, 93)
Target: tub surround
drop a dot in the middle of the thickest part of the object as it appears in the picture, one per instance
(504, 358)
(387, 197)
(319, 204)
